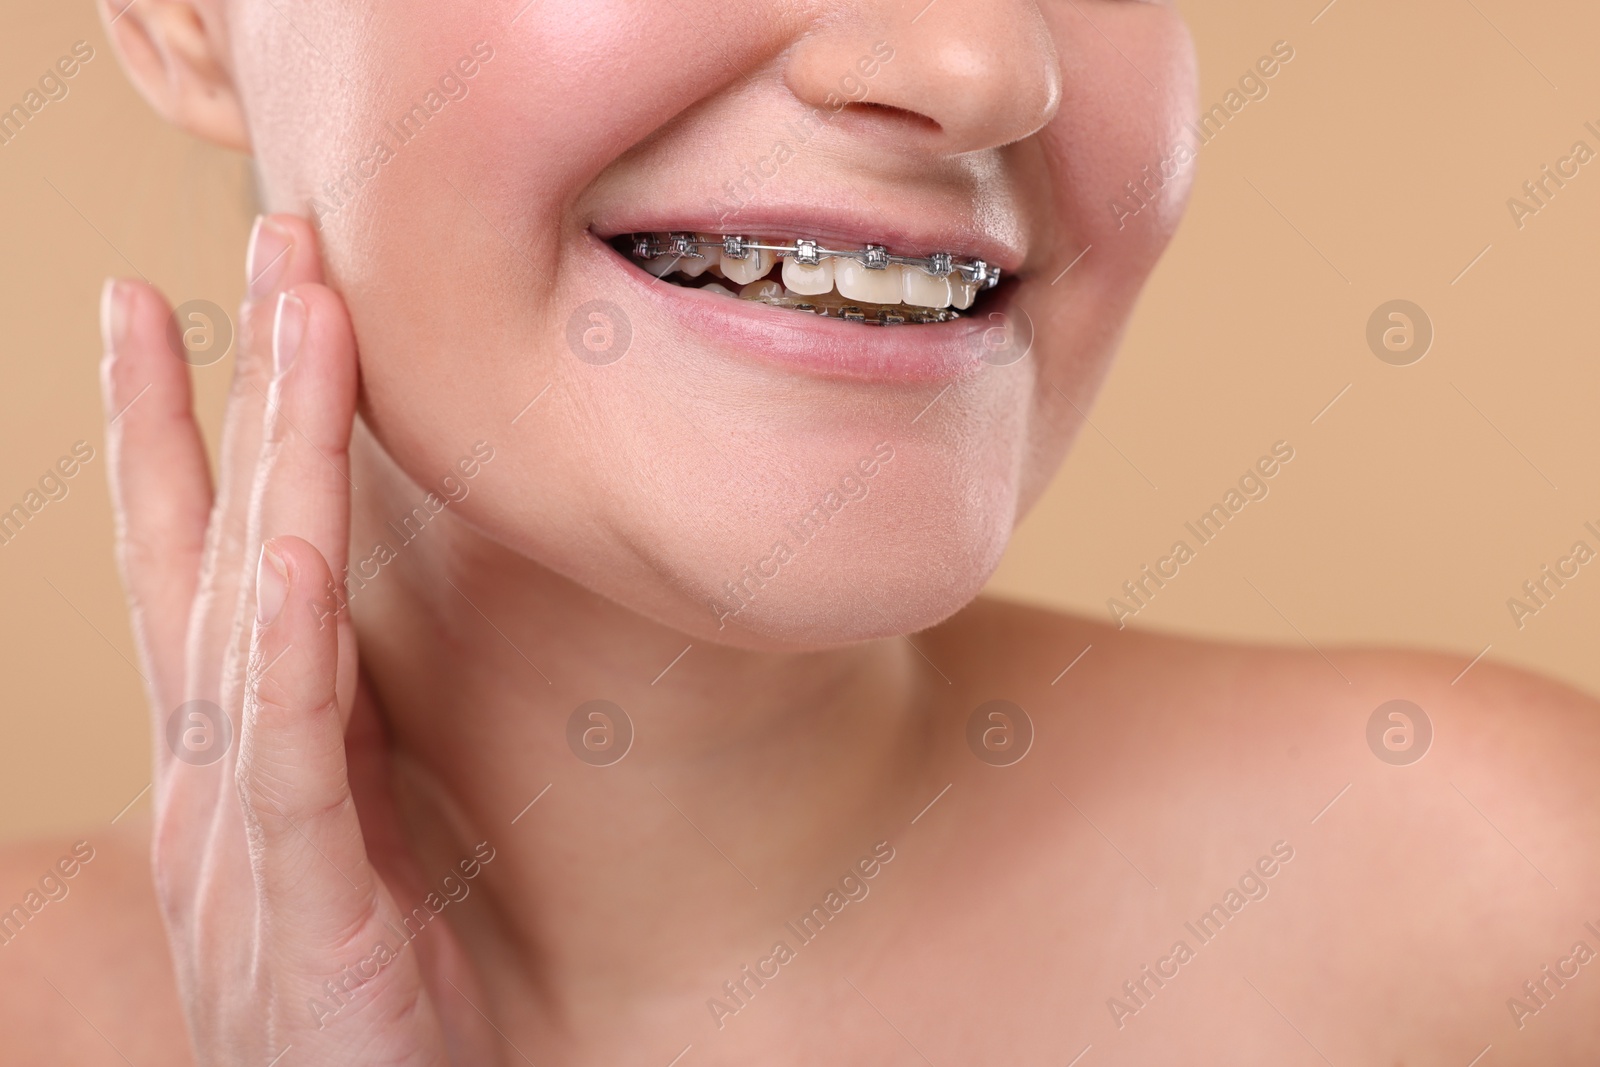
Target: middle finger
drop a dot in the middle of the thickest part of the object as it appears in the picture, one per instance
(283, 253)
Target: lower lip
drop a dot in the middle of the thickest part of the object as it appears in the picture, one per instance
(818, 346)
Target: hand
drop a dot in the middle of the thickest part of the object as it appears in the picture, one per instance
(261, 867)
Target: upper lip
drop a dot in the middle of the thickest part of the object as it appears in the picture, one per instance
(833, 226)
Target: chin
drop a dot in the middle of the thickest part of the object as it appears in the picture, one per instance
(913, 543)
(868, 599)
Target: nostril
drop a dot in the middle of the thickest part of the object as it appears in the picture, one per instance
(889, 111)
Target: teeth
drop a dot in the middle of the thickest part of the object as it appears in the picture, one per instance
(870, 285)
(809, 281)
(923, 290)
(856, 282)
(765, 290)
(661, 265)
(756, 264)
(696, 267)
(831, 305)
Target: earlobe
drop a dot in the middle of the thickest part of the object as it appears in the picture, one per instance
(175, 60)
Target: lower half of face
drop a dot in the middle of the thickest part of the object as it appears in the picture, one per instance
(776, 318)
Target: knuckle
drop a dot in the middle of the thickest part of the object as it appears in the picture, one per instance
(285, 704)
(254, 371)
(221, 566)
(354, 937)
(258, 799)
(302, 436)
(403, 1009)
(170, 865)
(274, 424)
(120, 378)
(156, 530)
(273, 786)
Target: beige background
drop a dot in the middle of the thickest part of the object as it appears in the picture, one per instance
(1378, 167)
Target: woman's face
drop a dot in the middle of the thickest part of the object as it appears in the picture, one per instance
(753, 474)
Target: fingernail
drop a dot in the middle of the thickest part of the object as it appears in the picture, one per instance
(113, 314)
(288, 329)
(272, 585)
(270, 251)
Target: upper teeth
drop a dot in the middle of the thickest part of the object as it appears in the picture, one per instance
(873, 257)
(869, 274)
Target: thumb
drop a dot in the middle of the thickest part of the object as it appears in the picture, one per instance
(323, 911)
(306, 845)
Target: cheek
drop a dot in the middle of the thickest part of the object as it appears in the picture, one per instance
(1112, 125)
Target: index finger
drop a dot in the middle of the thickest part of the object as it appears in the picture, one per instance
(160, 480)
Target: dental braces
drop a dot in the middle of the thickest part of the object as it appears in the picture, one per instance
(871, 316)
(873, 257)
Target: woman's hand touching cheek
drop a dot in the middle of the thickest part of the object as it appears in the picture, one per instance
(262, 868)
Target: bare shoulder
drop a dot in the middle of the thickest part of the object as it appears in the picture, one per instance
(1288, 718)
(1442, 821)
(1481, 710)
(84, 969)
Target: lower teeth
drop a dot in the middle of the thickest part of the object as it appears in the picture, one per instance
(871, 314)
(830, 305)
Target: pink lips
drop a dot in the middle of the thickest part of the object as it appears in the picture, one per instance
(811, 344)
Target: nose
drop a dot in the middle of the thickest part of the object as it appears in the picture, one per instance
(959, 75)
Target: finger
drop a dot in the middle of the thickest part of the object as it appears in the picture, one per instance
(303, 484)
(160, 482)
(283, 253)
(306, 849)
(301, 488)
(322, 910)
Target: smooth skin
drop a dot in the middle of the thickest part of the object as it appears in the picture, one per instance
(765, 764)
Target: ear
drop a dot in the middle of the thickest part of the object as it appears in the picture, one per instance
(173, 51)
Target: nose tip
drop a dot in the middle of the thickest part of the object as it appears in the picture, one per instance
(969, 83)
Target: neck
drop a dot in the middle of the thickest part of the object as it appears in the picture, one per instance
(751, 780)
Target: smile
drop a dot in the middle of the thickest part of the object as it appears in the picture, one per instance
(867, 285)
